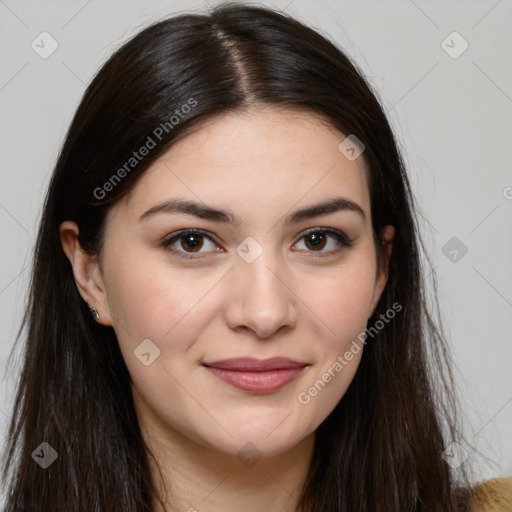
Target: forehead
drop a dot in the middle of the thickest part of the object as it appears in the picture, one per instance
(255, 161)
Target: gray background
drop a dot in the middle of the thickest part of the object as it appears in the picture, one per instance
(452, 115)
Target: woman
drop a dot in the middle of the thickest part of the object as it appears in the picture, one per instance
(227, 307)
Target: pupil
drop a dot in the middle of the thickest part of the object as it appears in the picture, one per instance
(189, 241)
(316, 240)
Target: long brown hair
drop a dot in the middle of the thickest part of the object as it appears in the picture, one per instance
(381, 448)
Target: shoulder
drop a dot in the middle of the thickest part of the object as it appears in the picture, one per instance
(493, 495)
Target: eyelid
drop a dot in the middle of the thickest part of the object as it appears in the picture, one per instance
(343, 240)
(340, 236)
(171, 239)
(331, 231)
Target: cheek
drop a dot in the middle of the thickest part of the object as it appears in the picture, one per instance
(182, 310)
(341, 304)
(340, 300)
(157, 301)
(148, 296)
(167, 305)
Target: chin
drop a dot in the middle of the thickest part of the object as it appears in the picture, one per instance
(269, 439)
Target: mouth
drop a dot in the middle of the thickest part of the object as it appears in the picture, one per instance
(255, 375)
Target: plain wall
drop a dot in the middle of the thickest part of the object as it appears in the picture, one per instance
(452, 117)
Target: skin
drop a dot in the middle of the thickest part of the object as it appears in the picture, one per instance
(260, 165)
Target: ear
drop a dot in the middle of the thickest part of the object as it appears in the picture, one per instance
(86, 272)
(388, 233)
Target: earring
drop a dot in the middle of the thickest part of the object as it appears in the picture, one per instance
(95, 314)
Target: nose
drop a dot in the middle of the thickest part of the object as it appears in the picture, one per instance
(261, 297)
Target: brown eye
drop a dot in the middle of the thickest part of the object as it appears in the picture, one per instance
(316, 241)
(187, 244)
(192, 242)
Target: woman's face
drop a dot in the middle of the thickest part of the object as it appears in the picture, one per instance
(249, 283)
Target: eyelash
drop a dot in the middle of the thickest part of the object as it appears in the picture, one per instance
(338, 235)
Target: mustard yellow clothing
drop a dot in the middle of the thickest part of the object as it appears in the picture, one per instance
(493, 495)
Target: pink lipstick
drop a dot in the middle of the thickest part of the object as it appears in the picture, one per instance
(255, 375)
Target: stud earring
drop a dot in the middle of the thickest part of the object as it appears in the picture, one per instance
(95, 314)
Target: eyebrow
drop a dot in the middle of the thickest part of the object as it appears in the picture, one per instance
(202, 211)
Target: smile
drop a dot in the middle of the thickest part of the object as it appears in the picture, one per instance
(256, 376)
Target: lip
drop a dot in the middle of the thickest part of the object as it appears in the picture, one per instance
(256, 375)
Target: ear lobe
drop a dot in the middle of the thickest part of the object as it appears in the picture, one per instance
(86, 271)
